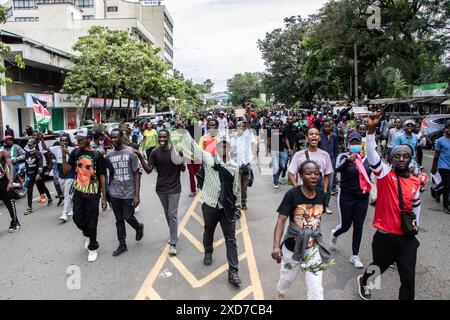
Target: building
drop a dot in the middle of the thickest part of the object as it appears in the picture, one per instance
(59, 23)
(42, 77)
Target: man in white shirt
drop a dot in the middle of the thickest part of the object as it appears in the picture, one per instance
(242, 147)
(223, 123)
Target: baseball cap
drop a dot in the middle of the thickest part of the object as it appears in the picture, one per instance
(354, 136)
(409, 122)
(83, 133)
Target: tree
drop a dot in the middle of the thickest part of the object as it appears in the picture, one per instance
(245, 86)
(114, 64)
(4, 49)
(315, 57)
(205, 87)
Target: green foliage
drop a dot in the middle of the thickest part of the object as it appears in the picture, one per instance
(315, 56)
(246, 86)
(4, 49)
(396, 83)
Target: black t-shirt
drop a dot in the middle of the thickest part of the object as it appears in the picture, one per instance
(291, 134)
(33, 160)
(89, 166)
(349, 184)
(277, 133)
(304, 212)
(168, 180)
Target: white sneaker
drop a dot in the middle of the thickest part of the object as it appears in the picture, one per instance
(86, 243)
(356, 261)
(276, 186)
(328, 211)
(136, 210)
(63, 217)
(92, 255)
(70, 214)
(333, 240)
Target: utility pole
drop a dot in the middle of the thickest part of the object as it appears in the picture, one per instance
(356, 74)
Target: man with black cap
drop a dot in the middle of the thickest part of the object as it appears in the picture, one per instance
(89, 183)
(9, 131)
(396, 215)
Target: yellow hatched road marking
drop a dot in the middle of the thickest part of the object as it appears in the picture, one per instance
(148, 292)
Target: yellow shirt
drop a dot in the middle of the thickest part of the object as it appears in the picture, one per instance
(150, 138)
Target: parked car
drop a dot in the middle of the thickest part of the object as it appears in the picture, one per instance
(434, 125)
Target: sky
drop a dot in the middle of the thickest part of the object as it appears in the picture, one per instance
(215, 39)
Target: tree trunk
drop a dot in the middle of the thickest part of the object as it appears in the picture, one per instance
(128, 107)
(83, 112)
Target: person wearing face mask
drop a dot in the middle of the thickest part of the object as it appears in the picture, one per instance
(396, 216)
(313, 153)
(353, 196)
(124, 188)
(34, 170)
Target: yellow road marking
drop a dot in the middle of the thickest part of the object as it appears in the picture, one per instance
(243, 294)
(147, 290)
(253, 269)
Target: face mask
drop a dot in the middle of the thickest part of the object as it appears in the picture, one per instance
(355, 149)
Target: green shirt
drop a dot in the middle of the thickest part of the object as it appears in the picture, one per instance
(211, 186)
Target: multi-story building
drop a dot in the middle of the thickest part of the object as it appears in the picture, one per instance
(59, 23)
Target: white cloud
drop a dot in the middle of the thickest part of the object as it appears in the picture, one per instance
(217, 38)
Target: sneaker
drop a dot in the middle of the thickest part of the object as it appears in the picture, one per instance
(363, 290)
(173, 250)
(207, 261)
(28, 211)
(233, 278)
(70, 214)
(86, 243)
(63, 217)
(42, 199)
(279, 296)
(447, 211)
(356, 261)
(119, 251)
(333, 240)
(92, 255)
(15, 226)
(276, 186)
(393, 266)
(328, 211)
(244, 208)
(136, 210)
(192, 194)
(49, 202)
(334, 193)
(60, 202)
(140, 232)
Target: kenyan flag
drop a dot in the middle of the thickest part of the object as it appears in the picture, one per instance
(41, 112)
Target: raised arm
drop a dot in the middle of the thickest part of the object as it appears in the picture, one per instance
(379, 168)
(183, 142)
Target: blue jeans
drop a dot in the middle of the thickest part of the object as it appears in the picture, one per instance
(279, 161)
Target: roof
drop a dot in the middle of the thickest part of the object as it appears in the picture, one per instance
(35, 43)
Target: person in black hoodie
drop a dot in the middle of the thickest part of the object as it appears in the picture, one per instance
(34, 169)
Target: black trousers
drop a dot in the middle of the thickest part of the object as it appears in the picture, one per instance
(352, 210)
(445, 175)
(124, 211)
(419, 155)
(389, 248)
(85, 216)
(7, 199)
(212, 216)
(41, 188)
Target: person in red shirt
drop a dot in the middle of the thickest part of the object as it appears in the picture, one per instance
(390, 244)
(311, 119)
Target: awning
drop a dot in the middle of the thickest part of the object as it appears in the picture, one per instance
(383, 101)
(446, 102)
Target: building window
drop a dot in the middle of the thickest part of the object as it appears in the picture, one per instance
(167, 21)
(168, 50)
(111, 9)
(168, 36)
(85, 3)
(88, 17)
(24, 5)
(26, 19)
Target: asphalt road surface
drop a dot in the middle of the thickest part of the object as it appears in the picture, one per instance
(47, 260)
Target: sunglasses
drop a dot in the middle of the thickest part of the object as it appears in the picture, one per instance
(88, 167)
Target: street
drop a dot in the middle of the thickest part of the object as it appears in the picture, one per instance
(35, 259)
